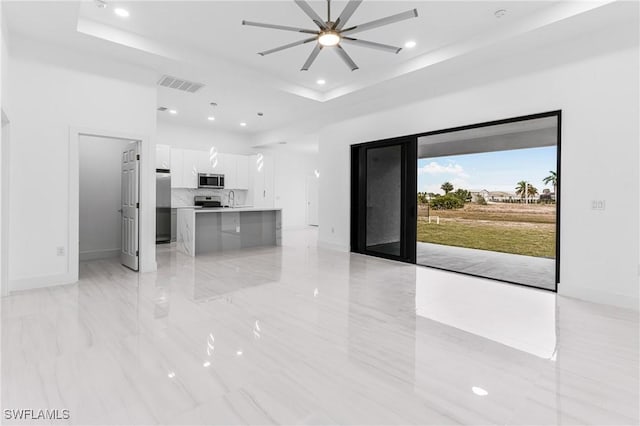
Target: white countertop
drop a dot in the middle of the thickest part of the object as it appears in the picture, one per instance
(233, 209)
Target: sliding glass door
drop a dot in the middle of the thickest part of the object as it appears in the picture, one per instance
(480, 200)
(383, 205)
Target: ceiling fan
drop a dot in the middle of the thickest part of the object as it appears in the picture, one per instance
(333, 33)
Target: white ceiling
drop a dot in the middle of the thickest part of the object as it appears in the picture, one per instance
(204, 41)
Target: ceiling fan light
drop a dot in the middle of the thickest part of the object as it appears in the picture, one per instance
(329, 38)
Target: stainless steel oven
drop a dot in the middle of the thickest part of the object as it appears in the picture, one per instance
(206, 180)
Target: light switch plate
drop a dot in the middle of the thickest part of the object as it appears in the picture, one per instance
(60, 251)
(598, 204)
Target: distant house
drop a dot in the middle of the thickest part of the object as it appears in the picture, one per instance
(547, 195)
(495, 196)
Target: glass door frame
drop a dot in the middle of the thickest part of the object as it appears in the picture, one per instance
(410, 184)
(409, 202)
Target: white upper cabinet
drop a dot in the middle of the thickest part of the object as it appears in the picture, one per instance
(262, 170)
(242, 172)
(163, 157)
(176, 169)
(187, 163)
(190, 164)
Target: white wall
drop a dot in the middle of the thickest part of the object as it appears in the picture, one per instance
(188, 137)
(100, 196)
(292, 168)
(54, 92)
(598, 94)
(4, 158)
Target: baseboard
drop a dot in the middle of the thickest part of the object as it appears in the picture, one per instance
(99, 254)
(601, 297)
(41, 282)
(333, 246)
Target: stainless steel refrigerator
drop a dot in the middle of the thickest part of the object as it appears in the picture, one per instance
(163, 206)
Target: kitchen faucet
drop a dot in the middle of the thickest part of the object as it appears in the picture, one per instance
(229, 198)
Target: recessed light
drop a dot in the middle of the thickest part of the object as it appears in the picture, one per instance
(173, 111)
(123, 13)
(500, 13)
(321, 82)
(260, 114)
(206, 364)
(243, 124)
(410, 44)
(211, 118)
(101, 4)
(239, 352)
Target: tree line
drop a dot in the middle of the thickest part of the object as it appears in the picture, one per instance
(456, 199)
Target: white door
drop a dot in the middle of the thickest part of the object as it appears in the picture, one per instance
(312, 201)
(130, 206)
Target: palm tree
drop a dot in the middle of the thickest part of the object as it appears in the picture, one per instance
(532, 191)
(521, 188)
(551, 179)
(447, 187)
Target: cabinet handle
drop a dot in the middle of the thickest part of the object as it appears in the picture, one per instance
(264, 194)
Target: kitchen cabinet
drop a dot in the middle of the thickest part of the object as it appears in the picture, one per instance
(242, 172)
(205, 164)
(229, 170)
(163, 157)
(187, 163)
(190, 162)
(236, 171)
(263, 181)
(177, 167)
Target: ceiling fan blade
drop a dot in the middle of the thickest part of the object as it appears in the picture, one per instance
(383, 21)
(286, 46)
(279, 27)
(346, 58)
(312, 57)
(372, 45)
(346, 14)
(311, 14)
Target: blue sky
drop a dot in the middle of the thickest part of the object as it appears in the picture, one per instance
(493, 171)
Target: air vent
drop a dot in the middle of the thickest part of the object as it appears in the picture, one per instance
(179, 84)
(162, 108)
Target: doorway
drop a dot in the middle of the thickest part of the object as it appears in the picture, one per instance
(109, 188)
(383, 205)
(497, 218)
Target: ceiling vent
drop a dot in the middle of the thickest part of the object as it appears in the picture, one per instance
(179, 84)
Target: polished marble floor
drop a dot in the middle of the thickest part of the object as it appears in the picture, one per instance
(301, 335)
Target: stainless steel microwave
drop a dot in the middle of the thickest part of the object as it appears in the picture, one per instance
(206, 180)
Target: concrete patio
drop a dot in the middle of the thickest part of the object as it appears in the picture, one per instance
(529, 270)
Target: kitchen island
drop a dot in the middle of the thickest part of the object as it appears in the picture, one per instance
(207, 230)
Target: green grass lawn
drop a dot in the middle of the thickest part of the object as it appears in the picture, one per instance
(531, 239)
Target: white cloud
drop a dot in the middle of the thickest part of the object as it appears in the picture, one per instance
(434, 168)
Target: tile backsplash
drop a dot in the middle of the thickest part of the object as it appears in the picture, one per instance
(183, 197)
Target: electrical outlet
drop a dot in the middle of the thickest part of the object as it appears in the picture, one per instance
(598, 204)
(238, 228)
(60, 251)
(333, 230)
